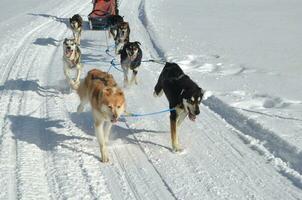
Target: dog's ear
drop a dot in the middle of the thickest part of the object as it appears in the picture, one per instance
(65, 40)
(138, 43)
(107, 91)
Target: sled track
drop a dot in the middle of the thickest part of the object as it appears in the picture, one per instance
(14, 92)
(271, 145)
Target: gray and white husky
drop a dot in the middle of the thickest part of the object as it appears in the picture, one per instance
(72, 60)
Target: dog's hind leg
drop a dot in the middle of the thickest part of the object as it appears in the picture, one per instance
(99, 132)
(173, 128)
(83, 98)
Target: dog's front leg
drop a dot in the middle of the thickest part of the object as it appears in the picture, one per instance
(107, 130)
(118, 47)
(67, 75)
(79, 70)
(181, 115)
(134, 78)
(79, 37)
(125, 71)
(99, 132)
(173, 128)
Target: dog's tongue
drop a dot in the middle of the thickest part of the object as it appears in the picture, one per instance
(68, 52)
(192, 117)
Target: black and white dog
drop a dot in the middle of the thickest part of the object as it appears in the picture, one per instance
(72, 60)
(122, 36)
(131, 57)
(113, 21)
(183, 94)
(76, 24)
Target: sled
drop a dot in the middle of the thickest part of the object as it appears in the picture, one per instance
(100, 12)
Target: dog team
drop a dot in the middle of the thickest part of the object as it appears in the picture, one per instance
(107, 99)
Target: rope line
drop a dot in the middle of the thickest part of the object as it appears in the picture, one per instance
(129, 114)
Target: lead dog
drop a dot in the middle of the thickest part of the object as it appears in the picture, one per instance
(122, 36)
(183, 94)
(107, 102)
(131, 57)
(76, 24)
(72, 60)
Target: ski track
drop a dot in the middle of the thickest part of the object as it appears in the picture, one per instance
(48, 151)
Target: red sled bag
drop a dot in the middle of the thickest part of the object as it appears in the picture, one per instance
(100, 12)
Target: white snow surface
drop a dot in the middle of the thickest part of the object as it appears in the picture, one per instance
(245, 144)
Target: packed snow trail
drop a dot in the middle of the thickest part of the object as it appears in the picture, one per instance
(48, 151)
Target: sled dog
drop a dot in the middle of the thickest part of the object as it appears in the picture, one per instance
(183, 95)
(76, 24)
(72, 60)
(122, 36)
(107, 101)
(131, 57)
(113, 22)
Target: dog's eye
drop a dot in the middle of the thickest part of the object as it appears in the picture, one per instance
(110, 107)
(189, 101)
(118, 107)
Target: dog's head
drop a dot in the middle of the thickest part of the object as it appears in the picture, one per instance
(123, 27)
(191, 100)
(132, 49)
(113, 102)
(75, 21)
(69, 46)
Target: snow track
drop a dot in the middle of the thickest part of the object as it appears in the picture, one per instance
(48, 151)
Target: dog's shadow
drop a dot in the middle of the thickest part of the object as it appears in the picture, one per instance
(29, 85)
(38, 131)
(47, 42)
(84, 121)
(63, 20)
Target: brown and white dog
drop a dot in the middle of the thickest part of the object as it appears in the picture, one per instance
(122, 36)
(107, 101)
(72, 60)
(76, 24)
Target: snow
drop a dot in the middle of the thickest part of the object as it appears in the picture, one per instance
(245, 144)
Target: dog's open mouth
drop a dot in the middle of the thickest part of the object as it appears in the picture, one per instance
(192, 117)
(68, 52)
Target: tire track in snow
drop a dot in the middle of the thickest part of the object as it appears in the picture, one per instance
(14, 64)
(291, 159)
(265, 141)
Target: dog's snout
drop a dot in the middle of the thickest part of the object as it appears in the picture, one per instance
(114, 115)
(68, 47)
(197, 111)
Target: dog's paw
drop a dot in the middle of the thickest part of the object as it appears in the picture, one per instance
(80, 108)
(154, 94)
(75, 85)
(159, 94)
(176, 149)
(104, 159)
(179, 151)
